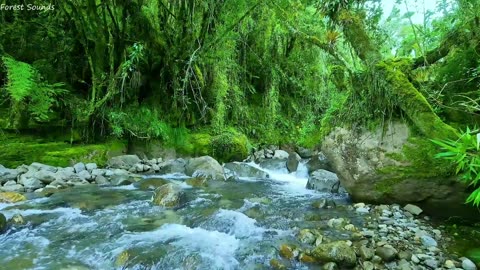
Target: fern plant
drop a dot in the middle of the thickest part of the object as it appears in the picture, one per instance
(464, 152)
(27, 93)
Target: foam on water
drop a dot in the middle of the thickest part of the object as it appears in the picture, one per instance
(216, 247)
(236, 223)
(290, 183)
(67, 213)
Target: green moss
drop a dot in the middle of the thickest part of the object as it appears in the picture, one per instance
(228, 146)
(18, 150)
(411, 101)
(418, 157)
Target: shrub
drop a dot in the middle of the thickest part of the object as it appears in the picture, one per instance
(464, 152)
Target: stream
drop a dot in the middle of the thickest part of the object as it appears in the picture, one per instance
(227, 225)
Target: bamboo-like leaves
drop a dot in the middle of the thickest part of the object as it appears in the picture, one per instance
(464, 152)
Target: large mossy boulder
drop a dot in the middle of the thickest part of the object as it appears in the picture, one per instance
(206, 167)
(395, 165)
(169, 195)
(225, 147)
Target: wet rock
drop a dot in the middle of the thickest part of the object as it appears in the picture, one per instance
(287, 251)
(306, 236)
(205, 166)
(3, 223)
(197, 182)
(35, 166)
(150, 183)
(324, 203)
(12, 186)
(467, 264)
(368, 265)
(245, 170)
(122, 259)
(91, 166)
(277, 265)
(101, 180)
(45, 176)
(336, 222)
(339, 252)
(318, 162)
(79, 167)
(169, 195)
(123, 162)
(428, 241)
(274, 164)
(323, 181)
(405, 255)
(304, 258)
(7, 174)
(413, 209)
(121, 177)
(293, 161)
(304, 152)
(17, 219)
(387, 254)
(449, 264)
(366, 253)
(431, 263)
(172, 166)
(85, 175)
(330, 266)
(11, 197)
(280, 154)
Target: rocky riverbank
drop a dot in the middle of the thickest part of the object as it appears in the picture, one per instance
(392, 237)
(388, 236)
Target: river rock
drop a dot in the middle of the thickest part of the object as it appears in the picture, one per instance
(197, 182)
(245, 170)
(413, 209)
(374, 166)
(101, 180)
(7, 174)
(123, 162)
(293, 161)
(330, 266)
(121, 177)
(339, 252)
(280, 154)
(79, 167)
(323, 181)
(306, 236)
(318, 162)
(91, 166)
(304, 152)
(3, 223)
(85, 175)
(150, 183)
(168, 195)
(366, 253)
(467, 264)
(205, 166)
(12, 186)
(428, 241)
(35, 166)
(387, 253)
(45, 176)
(31, 182)
(172, 166)
(11, 197)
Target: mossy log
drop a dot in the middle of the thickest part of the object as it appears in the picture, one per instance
(411, 101)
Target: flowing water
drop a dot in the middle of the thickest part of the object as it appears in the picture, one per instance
(228, 225)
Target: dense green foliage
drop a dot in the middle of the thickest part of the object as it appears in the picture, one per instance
(465, 152)
(277, 71)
